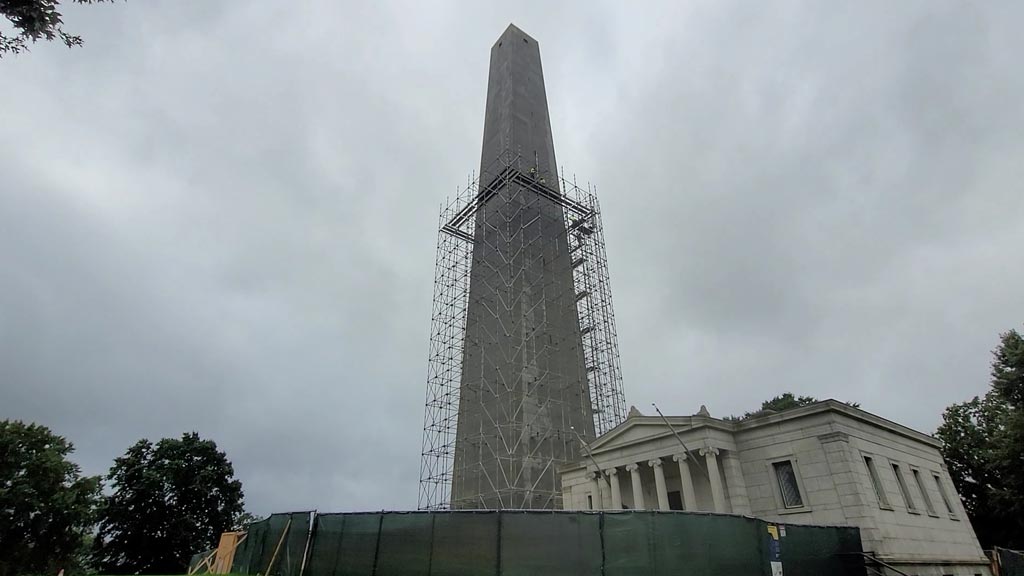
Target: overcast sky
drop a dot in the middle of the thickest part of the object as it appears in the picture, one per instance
(221, 216)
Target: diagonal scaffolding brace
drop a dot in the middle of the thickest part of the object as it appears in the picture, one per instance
(515, 188)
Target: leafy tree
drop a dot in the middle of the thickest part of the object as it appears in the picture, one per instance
(1008, 369)
(785, 401)
(46, 506)
(983, 444)
(170, 500)
(34, 20)
(243, 520)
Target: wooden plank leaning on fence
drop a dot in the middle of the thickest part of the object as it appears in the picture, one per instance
(219, 560)
(229, 542)
(206, 561)
(277, 548)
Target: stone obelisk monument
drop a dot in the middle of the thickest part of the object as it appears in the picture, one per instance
(524, 404)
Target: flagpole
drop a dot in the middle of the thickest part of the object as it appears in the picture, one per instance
(586, 448)
(676, 434)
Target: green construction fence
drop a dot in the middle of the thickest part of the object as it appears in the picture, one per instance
(528, 542)
(279, 543)
(1008, 562)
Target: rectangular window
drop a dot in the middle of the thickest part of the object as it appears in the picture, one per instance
(788, 487)
(876, 482)
(675, 500)
(924, 493)
(945, 496)
(908, 499)
(590, 502)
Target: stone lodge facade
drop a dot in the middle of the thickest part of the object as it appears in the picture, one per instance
(826, 463)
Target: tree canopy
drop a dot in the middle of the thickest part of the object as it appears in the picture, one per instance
(35, 20)
(784, 401)
(46, 506)
(169, 500)
(983, 444)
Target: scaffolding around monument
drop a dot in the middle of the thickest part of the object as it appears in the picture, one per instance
(594, 306)
(454, 261)
(444, 363)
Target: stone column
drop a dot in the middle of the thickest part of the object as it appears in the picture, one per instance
(616, 494)
(689, 496)
(659, 483)
(710, 454)
(595, 491)
(638, 489)
(606, 494)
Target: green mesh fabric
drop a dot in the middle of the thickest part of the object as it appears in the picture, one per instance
(1011, 562)
(648, 543)
(249, 551)
(405, 544)
(326, 545)
(285, 534)
(275, 528)
(198, 559)
(813, 550)
(546, 543)
(705, 544)
(513, 543)
(240, 562)
(465, 544)
(293, 547)
(628, 548)
(357, 552)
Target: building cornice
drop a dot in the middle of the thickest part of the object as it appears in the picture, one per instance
(836, 406)
(688, 424)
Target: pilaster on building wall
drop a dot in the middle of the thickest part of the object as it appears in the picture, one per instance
(808, 465)
(735, 483)
(851, 490)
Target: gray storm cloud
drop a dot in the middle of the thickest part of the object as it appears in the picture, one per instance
(221, 216)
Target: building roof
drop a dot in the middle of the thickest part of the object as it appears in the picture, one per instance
(704, 420)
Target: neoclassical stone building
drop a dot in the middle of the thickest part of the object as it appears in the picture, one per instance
(827, 463)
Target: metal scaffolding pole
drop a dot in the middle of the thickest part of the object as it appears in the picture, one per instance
(516, 197)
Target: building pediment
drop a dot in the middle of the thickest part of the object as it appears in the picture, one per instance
(640, 428)
(629, 432)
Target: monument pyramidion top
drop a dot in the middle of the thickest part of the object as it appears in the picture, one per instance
(516, 116)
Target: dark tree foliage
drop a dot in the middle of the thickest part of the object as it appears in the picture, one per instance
(243, 521)
(785, 401)
(171, 499)
(983, 444)
(46, 506)
(34, 20)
